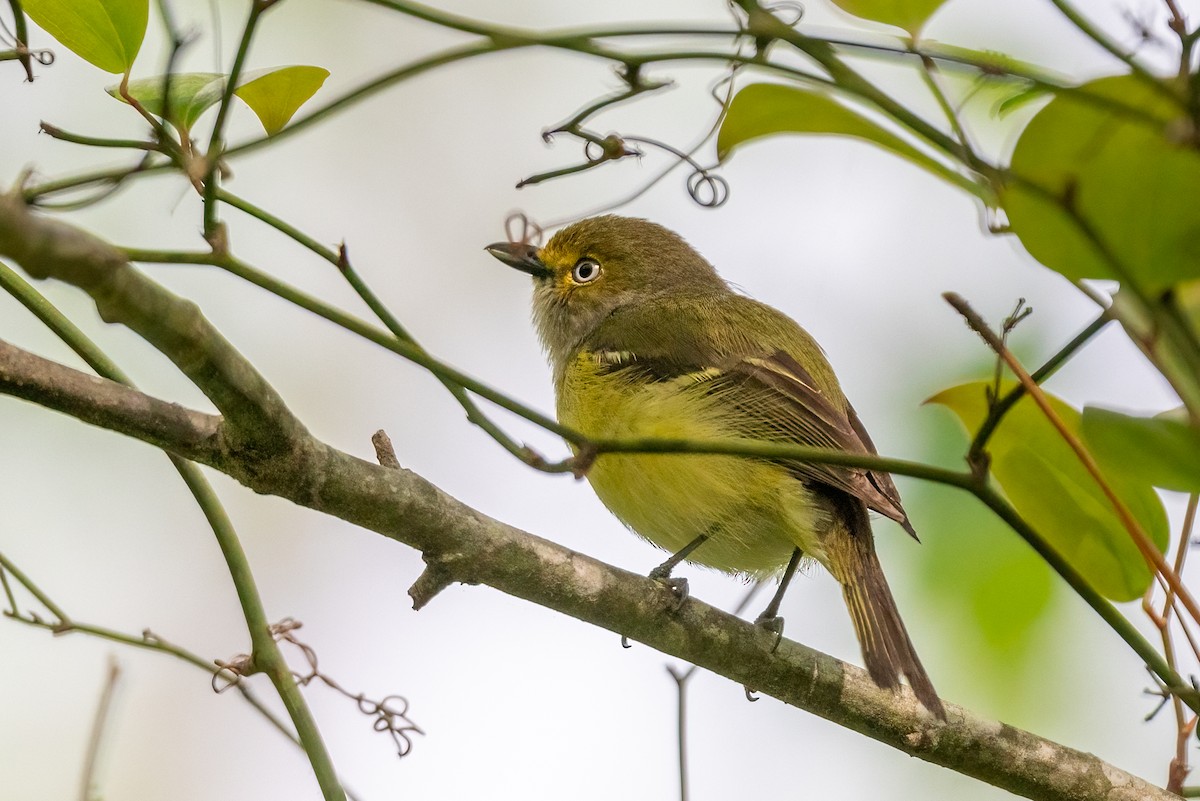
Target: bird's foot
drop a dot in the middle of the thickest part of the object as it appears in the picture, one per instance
(771, 623)
(678, 586)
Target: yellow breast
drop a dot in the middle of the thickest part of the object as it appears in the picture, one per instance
(754, 512)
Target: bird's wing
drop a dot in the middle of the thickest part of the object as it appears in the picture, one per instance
(772, 396)
(782, 402)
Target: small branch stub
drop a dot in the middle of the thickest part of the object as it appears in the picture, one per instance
(385, 454)
(435, 578)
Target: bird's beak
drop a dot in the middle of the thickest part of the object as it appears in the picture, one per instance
(520, 256)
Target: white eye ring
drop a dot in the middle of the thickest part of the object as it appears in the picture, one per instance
(585, 271)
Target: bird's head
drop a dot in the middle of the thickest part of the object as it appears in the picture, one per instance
(596, 266)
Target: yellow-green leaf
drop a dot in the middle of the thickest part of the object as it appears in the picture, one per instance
(1157, 450)
(766, 109)
(911, 15)
(108, 33)
(1049, 486)
(276, 94)
(191, 94)
(1104, 187)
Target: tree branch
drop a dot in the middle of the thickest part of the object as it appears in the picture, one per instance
(472, 548)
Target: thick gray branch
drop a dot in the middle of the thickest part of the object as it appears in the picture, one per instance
(47, 248)
(104, 403)
(464, 545)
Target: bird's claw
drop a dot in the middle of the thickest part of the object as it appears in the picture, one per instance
(678, 587)
(772, 624)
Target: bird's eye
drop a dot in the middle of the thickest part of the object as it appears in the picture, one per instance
(585, 270)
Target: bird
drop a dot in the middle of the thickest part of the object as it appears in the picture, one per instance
(645, 339)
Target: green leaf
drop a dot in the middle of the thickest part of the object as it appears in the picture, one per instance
(911, 15)
(191, 94)
(108, 33)
(1049, 486)
(1157, 450)
(1116, 166)
(985, 592)
(766, 109)
(276, 94)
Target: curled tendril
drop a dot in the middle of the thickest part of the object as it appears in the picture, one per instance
(788, 12)
(722, 90)
(391, 713)
(706, 188)
(593, 152)
(43, 56)
(531, 232)
(226, 676)
(394, 721)
(229, 673)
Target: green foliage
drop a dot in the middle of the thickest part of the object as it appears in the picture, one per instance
(1119, 168)
(764, 109)
(273, 94)
(108, 33)
(988, 593)
(191, 95)
(276, 94)
(1158, 450)
(911, 15)
(1049, 486)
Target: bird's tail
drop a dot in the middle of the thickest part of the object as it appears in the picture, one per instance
(887, 650)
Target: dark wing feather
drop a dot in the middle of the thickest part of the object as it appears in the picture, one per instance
(799, 412)
(779, 399)
(882, 481)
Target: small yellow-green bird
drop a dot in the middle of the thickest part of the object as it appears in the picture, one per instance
(647, 340)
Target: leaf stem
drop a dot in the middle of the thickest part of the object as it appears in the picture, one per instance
(216, 142)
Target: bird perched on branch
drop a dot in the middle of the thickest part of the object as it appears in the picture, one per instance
(647, 340)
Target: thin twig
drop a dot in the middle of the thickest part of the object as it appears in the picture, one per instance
(87, 789)
(97, 141)
(682, 678)
(1185, 725)
(22, 37)
(928, 74)
(1086, 27)
(361, 328)
(1002, 405)
(216, 142)
(341, 260)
